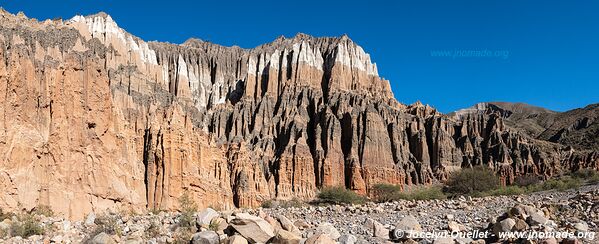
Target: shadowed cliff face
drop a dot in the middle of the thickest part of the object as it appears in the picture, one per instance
(95, 118)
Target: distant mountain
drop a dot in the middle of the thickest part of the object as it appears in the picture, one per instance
(578, 128)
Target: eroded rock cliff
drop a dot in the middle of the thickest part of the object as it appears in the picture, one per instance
(95, 118)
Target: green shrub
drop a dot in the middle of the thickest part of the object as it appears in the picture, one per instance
(504, 191)
(188, 209)
(585, 173)
(589, 175)
(338, 195)
(593, 180)
(386, 192)
(472, 181)
(26, 225)
(267, 204)
(559, 184)
(423, 193)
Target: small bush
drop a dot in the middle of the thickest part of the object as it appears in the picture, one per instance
(127, 211)
(183, 235)
(589, 175)
(472, 181)
(585, 173)
(44, 210)
(109, 224)
(527, 180)
(338, 195)
(188, 209)
(504, 191)
(293, 203)
(26, 225)
(156, 211)
(214, 224)
(153, 229)
(4, 215)
(560, 184)
(386, 192)
(267, 204)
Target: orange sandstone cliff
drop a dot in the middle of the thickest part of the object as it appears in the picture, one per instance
(94, 118)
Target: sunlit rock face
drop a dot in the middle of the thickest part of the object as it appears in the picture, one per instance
(94, 118)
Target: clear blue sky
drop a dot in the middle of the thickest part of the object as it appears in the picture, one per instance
(552, 47)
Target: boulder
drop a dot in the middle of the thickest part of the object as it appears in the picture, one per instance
(286, 237)
(253, 228)
(102, 238)
(205, 217)
(407, 224)
(133, 240)
(205, 237)
(520, 225)
(517, 212)
(377, 229)
(410, 241)
(443, 241)
(301, 224)
(505, 225)
(535, 219)
(320, 238)
(347, 239)
(581, 226)
(236, 239)
(5, 224)
(329, 230)
(273, 222)
(220, 224)
(66, 225)
(57, 239)
(287, 225)
(454, 226)
(90, 219)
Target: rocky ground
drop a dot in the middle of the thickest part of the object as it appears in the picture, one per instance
(574, 211)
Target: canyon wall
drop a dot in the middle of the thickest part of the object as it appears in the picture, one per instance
(94, 118)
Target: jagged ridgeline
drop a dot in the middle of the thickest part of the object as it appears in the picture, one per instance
(95, 118)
